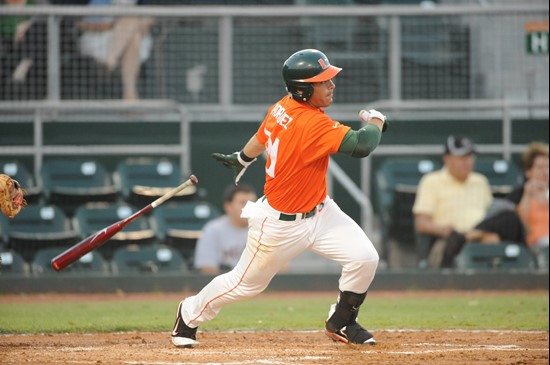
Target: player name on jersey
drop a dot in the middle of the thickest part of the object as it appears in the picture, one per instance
(279, 113)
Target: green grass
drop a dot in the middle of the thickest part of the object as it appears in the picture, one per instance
(515, 312)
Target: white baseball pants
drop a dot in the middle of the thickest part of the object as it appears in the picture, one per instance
(273, 243)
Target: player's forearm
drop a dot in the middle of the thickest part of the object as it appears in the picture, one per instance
(362, 142)
(253, 148)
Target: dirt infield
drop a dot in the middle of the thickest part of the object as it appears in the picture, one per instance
(271, 348)
(279, 348)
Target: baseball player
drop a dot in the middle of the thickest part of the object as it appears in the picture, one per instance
(296, 214)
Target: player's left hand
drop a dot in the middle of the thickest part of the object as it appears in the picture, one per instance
(233, 162)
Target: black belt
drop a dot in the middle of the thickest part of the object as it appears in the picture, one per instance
(292, 217)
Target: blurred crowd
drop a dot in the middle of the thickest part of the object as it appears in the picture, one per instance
(454, 206)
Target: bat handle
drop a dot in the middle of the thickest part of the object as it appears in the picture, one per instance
(191, 181)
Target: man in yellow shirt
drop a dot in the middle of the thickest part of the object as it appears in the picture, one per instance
(451, 205)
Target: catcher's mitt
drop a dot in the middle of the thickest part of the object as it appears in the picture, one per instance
(11, 196)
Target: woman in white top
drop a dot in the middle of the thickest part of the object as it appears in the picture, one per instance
(112, 41)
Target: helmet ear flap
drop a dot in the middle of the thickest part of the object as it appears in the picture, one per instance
(300, 91)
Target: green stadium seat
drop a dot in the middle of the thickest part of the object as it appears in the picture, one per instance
(93, 217)
(3, 230)
(91, 263)
(180, 224)
(542, 259)
(503, 175)
(502, 256)
(151, 259)
(70, 183)
(20, 173)
(39, 226)
(396, 184)
(402, 218)
(143, 179)
(12, 263)
(403, 173)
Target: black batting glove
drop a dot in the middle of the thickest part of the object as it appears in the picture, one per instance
(235, 161)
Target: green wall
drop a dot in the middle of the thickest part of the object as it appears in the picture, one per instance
(227, 137)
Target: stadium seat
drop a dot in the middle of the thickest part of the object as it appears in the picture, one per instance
(20, 173)
(542, 259)
(12, 263)
(93, 217)
(503, 175)
(69, 183)
(502, 256)
(152, 259)
(142, 180)
(91, 263)
(180, 224)
(396, 184)
(404, 173)
(39, 226)
(3, 230)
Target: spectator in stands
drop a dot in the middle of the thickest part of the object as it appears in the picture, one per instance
(113, 41)
(224, 238)
(531, 198)
(452, 206)
(23, 51)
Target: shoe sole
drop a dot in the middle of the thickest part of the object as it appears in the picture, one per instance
(183, 342)
(336, 338)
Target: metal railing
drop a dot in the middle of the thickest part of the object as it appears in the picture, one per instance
(388, 52)
(48, 111)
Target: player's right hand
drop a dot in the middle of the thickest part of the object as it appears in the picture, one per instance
(233, 162)
(367, 116)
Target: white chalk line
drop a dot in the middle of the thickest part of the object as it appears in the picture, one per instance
(453, 347)
(398, 330)
(463, 349)
(425, 344)
(78, 348)
(243, 362)
(269, 362)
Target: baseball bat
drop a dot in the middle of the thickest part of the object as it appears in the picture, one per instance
(98, 239)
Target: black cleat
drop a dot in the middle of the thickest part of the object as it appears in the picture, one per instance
(183, 335)
(351, 333)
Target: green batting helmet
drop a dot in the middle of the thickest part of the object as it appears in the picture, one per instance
(303, 68)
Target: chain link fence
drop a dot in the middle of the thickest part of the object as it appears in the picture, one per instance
(233, 55)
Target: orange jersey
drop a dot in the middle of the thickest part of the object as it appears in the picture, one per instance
(298, 140)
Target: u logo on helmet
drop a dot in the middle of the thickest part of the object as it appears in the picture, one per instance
(323, 64)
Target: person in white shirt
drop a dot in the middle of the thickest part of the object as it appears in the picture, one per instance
(224, 238)
(124, 41)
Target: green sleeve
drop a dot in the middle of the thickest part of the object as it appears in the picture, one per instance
(362, 142)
